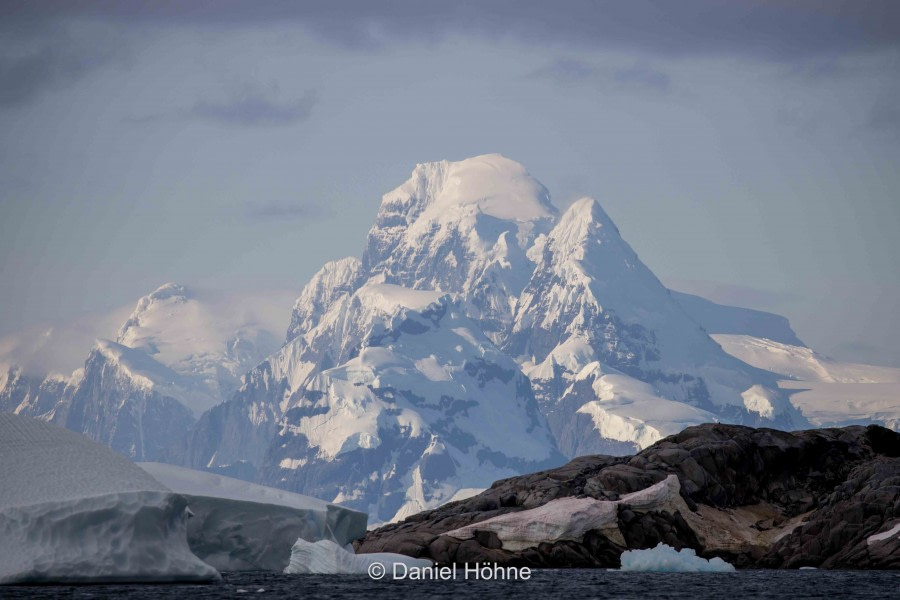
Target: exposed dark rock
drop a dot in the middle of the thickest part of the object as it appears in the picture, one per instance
(755, 497)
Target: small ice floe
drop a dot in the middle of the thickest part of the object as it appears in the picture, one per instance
(325, 557)
(665, 559)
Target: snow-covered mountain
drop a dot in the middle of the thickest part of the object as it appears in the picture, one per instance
(177, 355)
(606, 344)
(481, 334)
(420, 404)
(463, 227)
(470, 279)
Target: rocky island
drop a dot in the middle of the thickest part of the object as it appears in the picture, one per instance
(758, 498)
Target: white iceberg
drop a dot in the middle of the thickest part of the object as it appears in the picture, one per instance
(666, 559)
(242, 526)
(327, 558)
(73, 511)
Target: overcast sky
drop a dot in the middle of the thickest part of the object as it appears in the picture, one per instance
(749, 151)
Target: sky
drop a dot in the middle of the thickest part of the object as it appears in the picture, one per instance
(748, 151)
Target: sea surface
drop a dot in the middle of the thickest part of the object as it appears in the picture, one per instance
(549, 584)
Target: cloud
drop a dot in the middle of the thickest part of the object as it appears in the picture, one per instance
(285, 211)
(251, 106)
(884, 117)
(639, 77)
(772, 29)
(55, 62)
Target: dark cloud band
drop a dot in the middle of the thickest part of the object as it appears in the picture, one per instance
(774, 29)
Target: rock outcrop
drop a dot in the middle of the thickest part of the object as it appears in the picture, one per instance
(827, 498)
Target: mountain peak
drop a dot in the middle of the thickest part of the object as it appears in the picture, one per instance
(445, 193)
(586, 208)
(168, 290)
(494, 184)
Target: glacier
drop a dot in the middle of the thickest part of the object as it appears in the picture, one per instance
(73, 511)
(829, 393)
(665, 559)
(241, 526)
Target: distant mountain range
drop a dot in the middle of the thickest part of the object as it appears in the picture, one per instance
(482, 334)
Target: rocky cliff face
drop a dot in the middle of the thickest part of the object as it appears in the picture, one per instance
(756, 497)
(120, 407)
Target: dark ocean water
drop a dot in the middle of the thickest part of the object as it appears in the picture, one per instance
(544, 584)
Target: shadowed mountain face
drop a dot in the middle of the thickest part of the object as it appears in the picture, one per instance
(826, 498)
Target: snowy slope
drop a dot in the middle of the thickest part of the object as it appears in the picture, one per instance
(828, 392)
(799, 362)
(733, 320)
(74, 511)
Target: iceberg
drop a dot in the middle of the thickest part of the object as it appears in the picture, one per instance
(73, 511)
(666, 559)
(328, 558)
(242, 526)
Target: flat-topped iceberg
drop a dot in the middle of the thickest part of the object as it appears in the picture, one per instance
(73, 511)
(666, 559)
(327, 558)
(242, 526)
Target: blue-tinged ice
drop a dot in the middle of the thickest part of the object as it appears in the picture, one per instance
(666, 559)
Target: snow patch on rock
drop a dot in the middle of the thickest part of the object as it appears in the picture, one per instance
(570, 518)
(884, 535)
